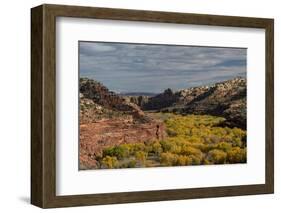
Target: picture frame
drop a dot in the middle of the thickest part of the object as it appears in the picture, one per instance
(43, 105)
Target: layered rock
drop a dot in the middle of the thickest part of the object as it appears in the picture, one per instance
(112, 103)
(140, 100)
(226, 99)
(94, 137)
(107, 119)
(165, 99)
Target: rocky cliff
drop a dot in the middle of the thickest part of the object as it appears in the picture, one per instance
(226, 99)
(101, 101)
(107, 119)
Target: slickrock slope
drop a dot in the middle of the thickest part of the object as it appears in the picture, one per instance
(94, 137)
(107, 119)
(93, 92)
(140, 100)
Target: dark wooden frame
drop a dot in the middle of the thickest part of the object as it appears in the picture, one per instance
(43, 105)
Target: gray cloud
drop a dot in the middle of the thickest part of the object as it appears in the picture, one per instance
(124, 67)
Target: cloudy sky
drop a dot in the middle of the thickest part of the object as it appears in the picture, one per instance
(124, 67)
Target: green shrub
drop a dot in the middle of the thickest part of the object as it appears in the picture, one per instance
(189, 150)
(138, 147)
(182, 160)
(130, 164)
(237, 155)
(236, 141)
(141, 156)
(217, 156)
(196, 160)
(109, 162)
(118, 151)
(166, 145)
(168, 159)
(224, 146)
(157, 148)
(206, 162)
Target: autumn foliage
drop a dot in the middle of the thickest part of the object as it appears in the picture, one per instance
(191, 140)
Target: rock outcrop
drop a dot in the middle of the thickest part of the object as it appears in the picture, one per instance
(165, 99)
(226, 99)
(107, 119)
(94, 92)
(96, 136)
(140, 100)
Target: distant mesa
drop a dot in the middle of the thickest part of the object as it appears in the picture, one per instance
(138, 94)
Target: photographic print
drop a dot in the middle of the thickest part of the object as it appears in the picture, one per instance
(160, 105)
(153, 99)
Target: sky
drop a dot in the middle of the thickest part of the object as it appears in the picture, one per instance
(128, 67)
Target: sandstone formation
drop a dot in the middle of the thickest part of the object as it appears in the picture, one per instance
(226, 99)
(107, 119)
